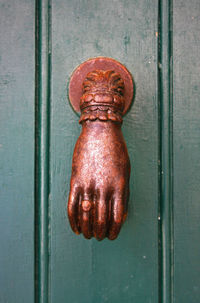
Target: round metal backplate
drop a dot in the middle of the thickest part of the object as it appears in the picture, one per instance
(99, 63)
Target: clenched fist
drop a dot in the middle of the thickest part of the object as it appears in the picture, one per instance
(99, 189)
(100, 181)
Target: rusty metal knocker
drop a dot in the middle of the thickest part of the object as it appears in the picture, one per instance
(102, 90)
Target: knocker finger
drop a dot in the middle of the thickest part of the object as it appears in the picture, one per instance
(86, 218)
(73, 208)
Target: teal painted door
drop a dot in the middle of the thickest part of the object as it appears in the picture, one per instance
(156, 257)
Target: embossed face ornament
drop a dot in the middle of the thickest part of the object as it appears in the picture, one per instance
(103, 90)
(104, 87)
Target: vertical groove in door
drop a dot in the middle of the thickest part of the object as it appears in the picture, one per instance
(165, 82)
(42, 138)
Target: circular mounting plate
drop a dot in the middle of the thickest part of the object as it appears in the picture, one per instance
(99, 63)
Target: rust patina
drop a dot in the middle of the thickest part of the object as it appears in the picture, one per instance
(99, 188)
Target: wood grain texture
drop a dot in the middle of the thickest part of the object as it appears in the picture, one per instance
(42, 122)
(125, 270)
(186, 126)
(17, 151)
(165, 84)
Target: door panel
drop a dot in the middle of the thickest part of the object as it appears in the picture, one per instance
(186, 125)
(156, 257)
(17, 151)
(125, 270)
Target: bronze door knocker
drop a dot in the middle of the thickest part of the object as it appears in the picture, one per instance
(102, 90)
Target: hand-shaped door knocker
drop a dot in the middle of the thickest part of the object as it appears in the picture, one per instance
(102, 89)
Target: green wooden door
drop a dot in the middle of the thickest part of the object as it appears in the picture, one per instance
(156, 257)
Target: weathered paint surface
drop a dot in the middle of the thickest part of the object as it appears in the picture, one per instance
(17, 151)
(125, 270)
(186, 170)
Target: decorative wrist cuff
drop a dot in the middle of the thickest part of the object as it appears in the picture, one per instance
(102, 113)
